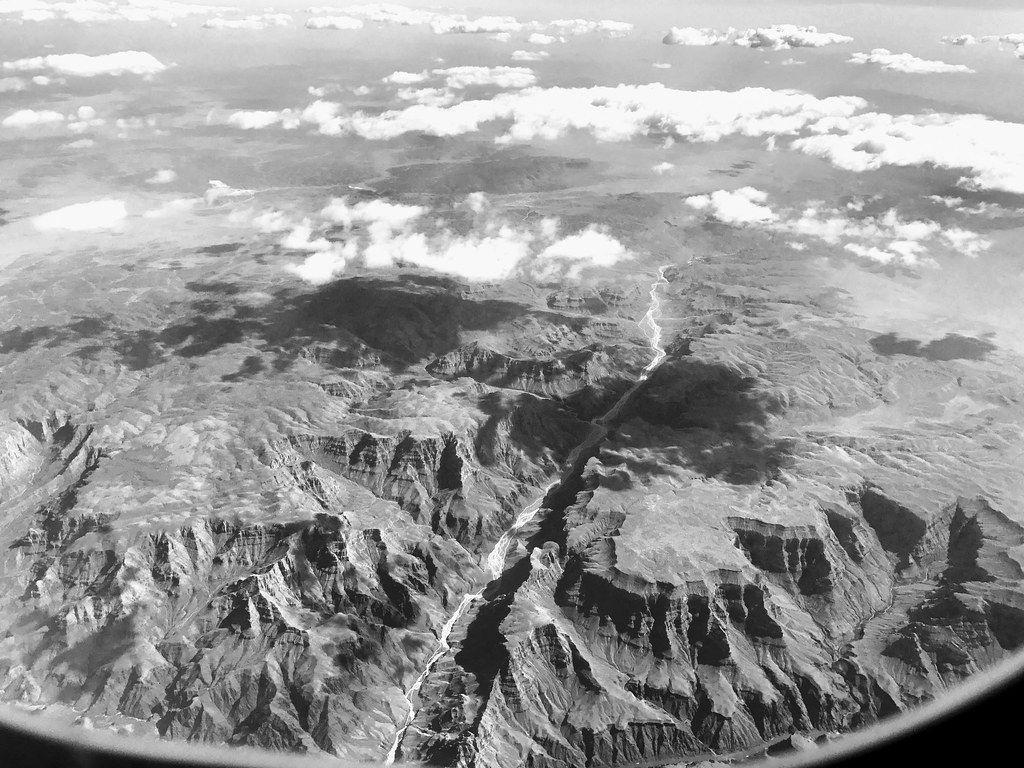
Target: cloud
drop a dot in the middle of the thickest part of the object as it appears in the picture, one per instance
(612, 113)
(529, 55)
(12, 84)
(29, 118)
(82, 65)
(83, 217)
(162, 176)
(406, 78)
(742, 206)
(218, 191)
(174, 207)
(502, 77)
(584, 27)
(593, 247)
(886, 238)
(960, 40)
(779, 37)
(905, 62)
(661, 168)
(696, 37)
(263, 21)
(334, 22)
(991, 152)
(446, 25)
(538, 38)
(382, 235)
(661, 65)
(90, 11)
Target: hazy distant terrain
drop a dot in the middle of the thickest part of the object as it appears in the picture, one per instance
(541, 386)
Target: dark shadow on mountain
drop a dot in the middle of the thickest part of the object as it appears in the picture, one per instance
(719, 422)
(952, 346)
(353, 321)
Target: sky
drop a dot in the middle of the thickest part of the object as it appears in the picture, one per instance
(883, 139)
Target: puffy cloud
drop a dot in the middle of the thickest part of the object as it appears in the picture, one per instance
(218, 191)
(445, 25)
(593, 247)
(885, 238)
(538, 38)
(89, 11)
(387, 13)
(502, 77)
(83, 217)
(696, 37)
(263, 21)
(300, 238)
(254, 119)
(742, 206)
(379, 214)
(334, 22)
(82, 65)
(382, 235)
(176, 207)
(406, 78)
(960, 40)
(661, 65)
(609, 113)
(583, 27)
(323, 266)
(29, 118)
(661, 168)
(990, 151)
(162, 176)
(12, 84)
(529, 55)
(905, 62)
(779, 37)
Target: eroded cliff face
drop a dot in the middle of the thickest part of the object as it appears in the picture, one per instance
(513, 542)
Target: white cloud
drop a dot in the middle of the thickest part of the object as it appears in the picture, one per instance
(176, 207)
(593, 247)
(334, 22)
(886, 238)
(380, 214)
(90, 11)
(82, 65)
(742, 206)
(661, 65)
(960, 39)
(29, 118)
(445, 25)
(254, 119)
(218, 191)
(300, 238)
(162, 176)
(661, 168)
(905, 62)
(12, 84)
(529, 55)
(779, 37)
(538, 38)
(609, 113)
(263, 21)
(406, 78)
(696, 37)
(584, 27)
(321, 267)
(990, 151)
(383, 235)
(502, 77)
(83, 217)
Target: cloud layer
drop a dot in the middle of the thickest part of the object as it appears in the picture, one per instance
(779, 37)
(905, 62)
(82, 65)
